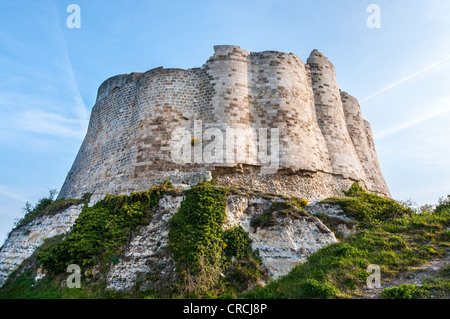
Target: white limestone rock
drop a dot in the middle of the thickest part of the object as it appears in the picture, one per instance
(22, 242)
(281, 246)
(147, 257)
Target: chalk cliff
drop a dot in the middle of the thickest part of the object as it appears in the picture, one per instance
(316, 136)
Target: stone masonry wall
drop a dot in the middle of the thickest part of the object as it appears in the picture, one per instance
(330, 116)
(321, 132)
(362, 139)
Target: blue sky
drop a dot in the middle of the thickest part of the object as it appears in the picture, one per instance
(49, 75)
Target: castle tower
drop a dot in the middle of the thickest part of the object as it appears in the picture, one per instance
(379, 183)
(109, 129)
(281, 97)
(230, 111)
(331, 119)
(323, 144)
(361, 136)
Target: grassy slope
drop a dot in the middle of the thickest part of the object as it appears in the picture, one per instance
(390, 235)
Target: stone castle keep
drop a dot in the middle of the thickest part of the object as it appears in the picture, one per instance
(322, 146)
(324, 143)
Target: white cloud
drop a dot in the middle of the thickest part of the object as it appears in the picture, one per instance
(53, 124)
(66, 66)
(407, 78)
(440, 108)
(4, 190)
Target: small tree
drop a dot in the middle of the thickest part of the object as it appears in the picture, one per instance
(32, 212)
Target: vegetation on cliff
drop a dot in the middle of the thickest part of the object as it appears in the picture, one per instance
(97, 238)
(46, 206)
(215, 262)
(101, 230)
(389, 234)
(210, 260)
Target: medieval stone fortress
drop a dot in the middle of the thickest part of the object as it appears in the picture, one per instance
(262, 123)
(323, 143)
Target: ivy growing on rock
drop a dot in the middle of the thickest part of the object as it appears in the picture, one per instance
(101, 230)
(196, 229)
(237, 243)
(209, 259)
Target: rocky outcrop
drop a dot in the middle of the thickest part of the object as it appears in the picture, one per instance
(22, 242)
(344, 225)
(282, 245)
(147, 259)
(147, 262)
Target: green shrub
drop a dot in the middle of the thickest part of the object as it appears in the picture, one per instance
(196, 228)
(354, 190)
(237, 242)
(33, 212)
(101, 230)
(209, 260)
(242, 273)
(288, 207)
(265, 219)
(312, 288)
(405, 292)
(443, 205)
(242, 265)
(300, 203)
(367, 208)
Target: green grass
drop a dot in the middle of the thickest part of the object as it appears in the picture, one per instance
(391, 236)
(405, 292)
(432, 288)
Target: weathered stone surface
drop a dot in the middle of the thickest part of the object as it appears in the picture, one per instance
(323, 138)
(281, 246)
(361, 135)
(346, 226)
(331, 210)
(148, 258)
(22, 242)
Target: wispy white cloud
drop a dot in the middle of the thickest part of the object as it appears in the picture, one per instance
(47, 123)
(4, 190)
(67, 68)
(41, 109)
(407, 78)
(440, 108)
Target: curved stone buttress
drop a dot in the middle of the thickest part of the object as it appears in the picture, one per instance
(361, 135)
